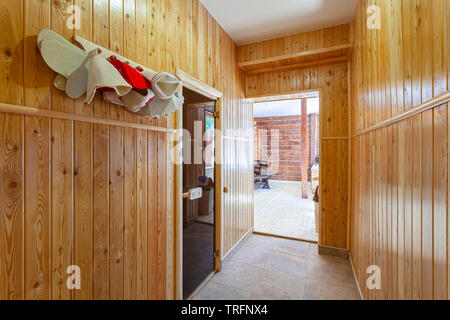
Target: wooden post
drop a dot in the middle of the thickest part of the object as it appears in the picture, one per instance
(304, 148)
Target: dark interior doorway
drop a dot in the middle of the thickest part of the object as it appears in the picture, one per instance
(198, 171)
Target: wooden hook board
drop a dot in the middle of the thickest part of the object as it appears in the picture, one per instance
(89, 46)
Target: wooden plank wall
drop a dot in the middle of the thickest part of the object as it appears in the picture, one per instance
(285, 161)
(332, 80)
(95, 195)
(399, 216)
(317, 39)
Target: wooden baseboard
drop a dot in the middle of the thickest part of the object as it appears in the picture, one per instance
(332, 251)
(283, 237)
(356, 278)
(236, 247)
(201, 286)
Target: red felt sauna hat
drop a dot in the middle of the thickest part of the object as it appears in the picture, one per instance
(131, 75)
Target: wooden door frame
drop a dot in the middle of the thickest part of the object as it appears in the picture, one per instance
(298, 95)
(198, 86)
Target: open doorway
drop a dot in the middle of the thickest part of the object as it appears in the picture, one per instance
(198, 172)
(286, 153)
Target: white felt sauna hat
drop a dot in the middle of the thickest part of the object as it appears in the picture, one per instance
(159, 108)
(133, 101)
(84, 72)
(164, 84)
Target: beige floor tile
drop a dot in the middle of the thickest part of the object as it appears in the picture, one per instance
(282, 211)
(272, 268)
(287, 264)
(251, 255)
(318, 290)
(280, 286)
(216, 291)
(239, 275)
(256, 296)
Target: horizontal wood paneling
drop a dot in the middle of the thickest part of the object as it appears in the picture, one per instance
(399, 207)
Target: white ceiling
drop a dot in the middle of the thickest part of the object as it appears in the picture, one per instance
(248, 21)
(284, 108)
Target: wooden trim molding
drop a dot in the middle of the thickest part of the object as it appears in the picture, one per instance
(332, 251)
(314, 63)
(334, 138)
(430, 104)
(196, 85)
(283, 237)
(201, 286)
(236, 247)
(355, 277)
(29, 111)
(293, 58)
(199, 87)
(302, 94)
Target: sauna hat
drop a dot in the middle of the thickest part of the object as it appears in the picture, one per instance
(79, 71)
(164, 84)
(139, 96)
(159, 108)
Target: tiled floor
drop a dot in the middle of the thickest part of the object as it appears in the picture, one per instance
(282, 211)
(267, 268)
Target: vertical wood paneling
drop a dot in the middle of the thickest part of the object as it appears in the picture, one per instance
(141, 213)
(417, 210)
(440, 205)
(412, 207)
(37, 150)
(37, 209)
(130, 235)
(152, 217)
(83, 206)
(116, 213)
(59, 16)
(101, 212)
(100, 29)
(83, 172)
(61, 166)
(312, 40)
(116, 45)
(101, 209)
(11, 152)
(408, 169)
(161, 209)
(37, 77)
(11, 208)
(427, 205)
(62, 204)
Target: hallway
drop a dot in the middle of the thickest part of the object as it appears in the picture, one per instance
(267, 268)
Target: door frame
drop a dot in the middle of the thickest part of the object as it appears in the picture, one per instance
(297, 95)
(198, 86)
